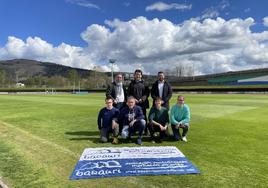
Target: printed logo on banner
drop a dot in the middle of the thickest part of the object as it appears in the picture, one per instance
(132, 161)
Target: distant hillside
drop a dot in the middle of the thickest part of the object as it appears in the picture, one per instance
(29, 68)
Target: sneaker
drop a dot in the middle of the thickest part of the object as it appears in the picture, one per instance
(153, 142)
(115, 141)
(184, 139)
(139, 142)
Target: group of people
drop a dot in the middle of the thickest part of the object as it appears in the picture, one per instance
(125, 111)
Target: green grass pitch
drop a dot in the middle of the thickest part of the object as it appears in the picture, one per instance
(43, 136)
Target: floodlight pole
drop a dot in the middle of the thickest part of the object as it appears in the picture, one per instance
(112, 61)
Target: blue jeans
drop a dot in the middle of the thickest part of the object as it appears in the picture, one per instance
(128, 131)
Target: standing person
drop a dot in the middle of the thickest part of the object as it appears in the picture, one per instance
(158, 120)
(107, 122)
(161, 88)
(117, 92)
(180, 118)
(140, 91)
(133, 120)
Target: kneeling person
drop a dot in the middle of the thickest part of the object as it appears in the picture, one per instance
(107, 122)
(158, 120)
(133, 120)
(180, 118)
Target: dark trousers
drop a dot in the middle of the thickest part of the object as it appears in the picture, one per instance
(154, 128)
(104, 132)
(138, 126)
(176, 132)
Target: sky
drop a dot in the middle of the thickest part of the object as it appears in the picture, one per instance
(202, 36)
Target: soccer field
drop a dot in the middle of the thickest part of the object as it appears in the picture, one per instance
(43, 136)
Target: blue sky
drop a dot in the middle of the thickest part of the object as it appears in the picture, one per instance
(151, 35)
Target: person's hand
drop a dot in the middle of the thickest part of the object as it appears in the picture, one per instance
(182, 126)
(113, 124)
(177, 126)
(162, 128)
(132, 123)
(140, 101)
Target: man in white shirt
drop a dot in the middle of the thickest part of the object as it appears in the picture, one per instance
(117, 92)
(161, 88)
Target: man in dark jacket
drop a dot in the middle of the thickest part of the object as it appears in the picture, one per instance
(140, 91)
(107, 121)
(133, 120)
(117, 92)
(162, 88)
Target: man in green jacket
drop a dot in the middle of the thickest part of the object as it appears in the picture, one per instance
(180, 118)
(158, 120)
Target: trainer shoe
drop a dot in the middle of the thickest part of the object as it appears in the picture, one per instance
(115, 140)
(139, 142)
(184, 139)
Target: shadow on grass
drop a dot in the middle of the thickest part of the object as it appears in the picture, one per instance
(92, 136)
(84, 133)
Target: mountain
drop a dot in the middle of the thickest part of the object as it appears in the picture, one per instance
(24, 68)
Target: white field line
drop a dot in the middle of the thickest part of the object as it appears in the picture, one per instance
(2, 185)
(42, 140)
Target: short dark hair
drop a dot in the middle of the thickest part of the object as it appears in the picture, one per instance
(158, 98)
(160, 72)
(108, 98)
(138, 70)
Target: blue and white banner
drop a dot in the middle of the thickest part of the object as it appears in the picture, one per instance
(132, 161)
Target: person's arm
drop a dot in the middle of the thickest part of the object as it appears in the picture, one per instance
(139, 113)
(153, 91)
(187, 115)
(169, 92)
(100, 119)
(173, 120)
(146, 93)
(116, 115)
(109, 91)
(129, 90)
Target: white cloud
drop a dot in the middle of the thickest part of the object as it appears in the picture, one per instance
(160, 44)
(38, 49)
(214, 11)
(211, 45)
(83, 3)
(265, 21)
(160, 6)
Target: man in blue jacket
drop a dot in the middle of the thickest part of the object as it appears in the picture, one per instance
(132, 118)
(107, 122)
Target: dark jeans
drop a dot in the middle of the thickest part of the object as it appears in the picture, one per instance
(104, 133)
(176, 132)
(138, 126)
(154, 128)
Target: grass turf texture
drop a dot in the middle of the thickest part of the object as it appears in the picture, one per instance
(43, 136)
